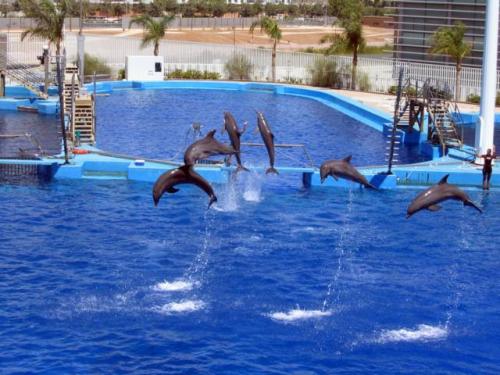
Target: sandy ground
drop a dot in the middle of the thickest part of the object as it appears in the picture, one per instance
(294, 38)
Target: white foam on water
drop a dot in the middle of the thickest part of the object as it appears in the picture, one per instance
(181, 307)
(298, 314)
(174, 286)
(423, 333)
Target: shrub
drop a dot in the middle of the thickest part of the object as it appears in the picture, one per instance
(93, 64)
(363, 81)
(238, 67)
(393, 90)
(121, 74)
(193, 74)
(294, 81)
(474, 98)
(324, 73)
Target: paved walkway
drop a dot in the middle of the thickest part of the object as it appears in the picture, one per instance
(385, 102)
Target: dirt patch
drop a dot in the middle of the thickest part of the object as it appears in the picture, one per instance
(294, 38)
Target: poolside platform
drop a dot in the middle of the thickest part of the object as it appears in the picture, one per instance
(101, 165)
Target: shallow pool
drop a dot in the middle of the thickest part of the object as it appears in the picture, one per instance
(274, 279)
(156, 124)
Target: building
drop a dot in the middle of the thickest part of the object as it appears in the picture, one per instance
(416, 21)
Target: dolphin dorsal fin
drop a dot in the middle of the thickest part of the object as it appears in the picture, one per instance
(211, 133)
(348, 159)
(444, 180)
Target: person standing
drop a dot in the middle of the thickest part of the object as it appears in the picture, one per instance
(487, 167)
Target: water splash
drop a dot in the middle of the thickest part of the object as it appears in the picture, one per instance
(174, 286)
(180, 307)
(253, 188)
(228, 200)
(298, 314)
(342, 245)
(196, 271)
(422, 333)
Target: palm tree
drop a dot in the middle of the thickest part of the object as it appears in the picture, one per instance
(49, 20)
(449, 40)
(349, 14)
(154, 30)
(272, 29)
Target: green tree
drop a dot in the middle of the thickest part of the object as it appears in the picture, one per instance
(48, 18)
(450, 41)
(154, 31)
(273, 31)
(349, 15)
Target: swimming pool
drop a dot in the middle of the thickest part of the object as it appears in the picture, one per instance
(275, 279)
(155, 124)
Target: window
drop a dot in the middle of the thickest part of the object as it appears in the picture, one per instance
(158, 67)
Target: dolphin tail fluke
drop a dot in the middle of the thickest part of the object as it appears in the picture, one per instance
(472, 204)
(240, 168)
(271, 170)
(213, 199)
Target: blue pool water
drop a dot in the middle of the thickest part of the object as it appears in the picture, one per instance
(274, 279)
(155, 123)
(43, 129)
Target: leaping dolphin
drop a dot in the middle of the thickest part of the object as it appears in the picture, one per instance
(204, 148)
(268, 138)
(234, 135)
(178, 176)
(429, 199)
(343, 169)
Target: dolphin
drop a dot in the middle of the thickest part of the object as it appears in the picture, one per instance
(429, 198)
(343, 169)
(234, 135)
(268, 138)
(205, 148)
(182, 175)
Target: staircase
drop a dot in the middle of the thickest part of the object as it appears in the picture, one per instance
(83, 119)
(443, 130)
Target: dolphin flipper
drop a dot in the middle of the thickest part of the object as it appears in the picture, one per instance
(172, 190)
(434, 208)
(472, 204)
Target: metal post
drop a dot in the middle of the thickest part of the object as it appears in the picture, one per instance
(81, 58)
(81, 18)
(2, 83)
(396, 119)
(61, 107)
(485, 126)
(72, 116)
(46, 63)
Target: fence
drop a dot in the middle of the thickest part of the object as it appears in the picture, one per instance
(380, 73)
